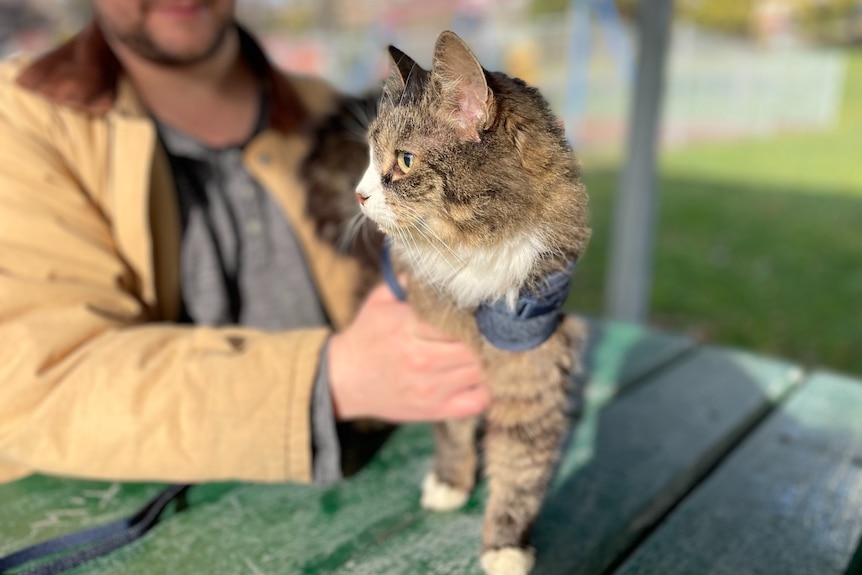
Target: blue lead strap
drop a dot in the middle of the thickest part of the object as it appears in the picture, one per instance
(73, 549)
(528, 325)
(389, 273)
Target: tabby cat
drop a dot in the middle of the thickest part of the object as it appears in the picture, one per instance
(473, 181)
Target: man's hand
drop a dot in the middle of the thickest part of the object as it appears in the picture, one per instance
(389, 365)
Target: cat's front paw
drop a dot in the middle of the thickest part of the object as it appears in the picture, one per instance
(439, 496)
(508, 561)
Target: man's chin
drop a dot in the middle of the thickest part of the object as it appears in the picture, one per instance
(174, 58)
(176, 50)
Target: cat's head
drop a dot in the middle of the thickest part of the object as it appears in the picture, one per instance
(464, 160)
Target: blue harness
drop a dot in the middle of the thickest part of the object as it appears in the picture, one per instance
(532, 321)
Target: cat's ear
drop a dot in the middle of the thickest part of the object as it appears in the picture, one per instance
(401, 66)
(462, 82)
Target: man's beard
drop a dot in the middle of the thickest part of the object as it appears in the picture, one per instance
(141, 44)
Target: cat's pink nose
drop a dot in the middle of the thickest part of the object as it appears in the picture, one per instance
(361, 198)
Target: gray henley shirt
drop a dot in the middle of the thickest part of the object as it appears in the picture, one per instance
(241, 264)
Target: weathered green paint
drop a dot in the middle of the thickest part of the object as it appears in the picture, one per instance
(239, 528)
(788, 501)
(285, 528)
(619, 354)
(616, 358)
(652, 443)
(632, 456)
(39, 508)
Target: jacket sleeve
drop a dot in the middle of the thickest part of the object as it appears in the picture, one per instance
(89, 388)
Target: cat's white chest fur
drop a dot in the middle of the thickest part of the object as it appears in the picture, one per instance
(471, 276)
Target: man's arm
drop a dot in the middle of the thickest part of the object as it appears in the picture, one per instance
(89, 388)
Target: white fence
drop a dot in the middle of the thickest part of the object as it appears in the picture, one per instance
(716, 87)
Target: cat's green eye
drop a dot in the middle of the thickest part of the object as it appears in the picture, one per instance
(405, 160)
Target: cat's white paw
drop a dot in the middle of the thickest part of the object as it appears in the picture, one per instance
(508, 561)
(438, 496)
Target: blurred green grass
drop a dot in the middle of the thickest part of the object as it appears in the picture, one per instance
(759, 242)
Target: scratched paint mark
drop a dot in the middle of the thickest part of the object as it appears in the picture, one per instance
(55, 518)
(234, 502)
(105, 496)
(255, 570)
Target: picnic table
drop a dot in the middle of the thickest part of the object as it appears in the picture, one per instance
(688, 459)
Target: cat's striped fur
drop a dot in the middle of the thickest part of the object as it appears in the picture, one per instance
(491, 202)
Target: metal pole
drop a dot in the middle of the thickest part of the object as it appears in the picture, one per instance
(630, 270)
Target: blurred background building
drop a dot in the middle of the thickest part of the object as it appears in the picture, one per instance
(760, 217)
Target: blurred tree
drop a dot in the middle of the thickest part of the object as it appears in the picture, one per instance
(728, 15)
(831, 20)
(734, 16)
(542, 7)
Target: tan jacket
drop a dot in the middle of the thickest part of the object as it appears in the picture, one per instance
(94, 379)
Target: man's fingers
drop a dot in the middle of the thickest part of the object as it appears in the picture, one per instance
(382, 294)
(445, 360)
(464, 376)
(419, 329)
(428, 332)
(471, 401)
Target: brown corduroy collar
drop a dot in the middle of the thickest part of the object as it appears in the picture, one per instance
(83, 73)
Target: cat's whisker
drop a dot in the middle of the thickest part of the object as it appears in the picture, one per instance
(365, 228)
(412, 250)
(417, 253)
(370, 108)
(443, 243)
(420, 257)
(359, 139)
(353, 227)
(406, 84)
(441, 254)
(359, 112)
(421, 221)
(355, 127)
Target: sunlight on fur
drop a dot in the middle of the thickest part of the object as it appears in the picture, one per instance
(508, 561)
(438, 496)
(480, 274)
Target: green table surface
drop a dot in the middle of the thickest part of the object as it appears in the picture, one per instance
(687, 459)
